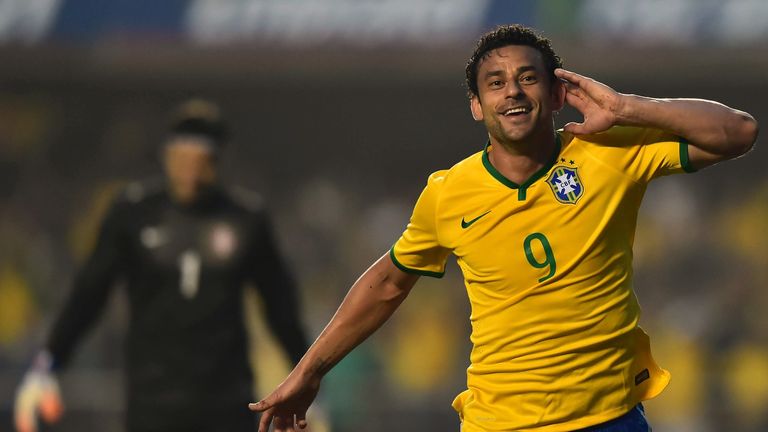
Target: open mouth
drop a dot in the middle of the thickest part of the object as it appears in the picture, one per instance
(516, 111)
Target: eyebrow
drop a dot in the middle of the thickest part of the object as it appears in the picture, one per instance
(500, 72)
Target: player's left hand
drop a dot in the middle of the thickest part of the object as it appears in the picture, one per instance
(598, 103)
(38, 394)
(286, 407)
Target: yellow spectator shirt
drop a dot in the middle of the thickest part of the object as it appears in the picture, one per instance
(548, 269)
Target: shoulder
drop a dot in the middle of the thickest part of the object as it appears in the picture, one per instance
(140, 193)
(616, 136)
(449, 182)
(437, 179)
(465, 168)
(245, 200)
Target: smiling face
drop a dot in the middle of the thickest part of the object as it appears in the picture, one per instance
(516, 98)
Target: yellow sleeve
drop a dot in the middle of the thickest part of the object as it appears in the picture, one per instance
(641, 153)
(418, 250)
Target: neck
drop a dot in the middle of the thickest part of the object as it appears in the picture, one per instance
(199, 198)
(518, 161)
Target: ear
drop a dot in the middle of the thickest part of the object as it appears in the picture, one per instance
(558, 95)
(476, 108)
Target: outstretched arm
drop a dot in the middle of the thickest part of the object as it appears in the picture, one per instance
(715, 132)
(369, 303)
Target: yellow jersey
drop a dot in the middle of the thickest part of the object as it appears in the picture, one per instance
(547, 266)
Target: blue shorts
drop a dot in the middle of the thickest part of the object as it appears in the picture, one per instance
(633, 421)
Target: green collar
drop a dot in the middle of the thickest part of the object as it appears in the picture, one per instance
(522, 188)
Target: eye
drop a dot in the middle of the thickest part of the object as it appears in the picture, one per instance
(528, 79)
(496, 84)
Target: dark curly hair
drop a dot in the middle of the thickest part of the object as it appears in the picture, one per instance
(505, 35)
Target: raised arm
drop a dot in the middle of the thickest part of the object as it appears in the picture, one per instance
(715, 132)
(370, 302)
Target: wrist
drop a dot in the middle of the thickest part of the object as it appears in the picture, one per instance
(43, 362)
(626, 110)
(313, 369)
(633, 110)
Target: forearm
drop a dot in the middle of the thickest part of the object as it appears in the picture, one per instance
(293, 339)
(81, 310)
(86, 301)
(288, 328)
(710, 126)
(370, 302)
(283, 312)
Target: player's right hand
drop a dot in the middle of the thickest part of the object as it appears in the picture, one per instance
(599, 104)
(38, 393)
(286, 407)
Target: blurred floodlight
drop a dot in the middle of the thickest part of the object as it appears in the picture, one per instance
(311, 22)
(675, 22)
(370, 23)
(26, 21)
(744, 21)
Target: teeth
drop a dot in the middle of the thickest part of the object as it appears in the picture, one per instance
(515, 110)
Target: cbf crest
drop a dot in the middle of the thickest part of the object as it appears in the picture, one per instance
(566, 184)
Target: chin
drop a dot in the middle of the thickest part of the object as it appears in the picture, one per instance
(185, 196)
(517, 135)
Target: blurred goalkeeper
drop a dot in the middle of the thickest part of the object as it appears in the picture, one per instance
(185, 247)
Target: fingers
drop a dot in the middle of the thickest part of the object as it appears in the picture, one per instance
(580, 99)
(579, 85)
(573, 81)
(576, 97)
(24, 416)
(285, 423)
(569, 76)
(25, 422)
(282, 423)
(51, 407)
(576, 100)
(25, 406)
(575, 128)
(265, 421)
(38, 392)
(263, 404)
(301, 421)
(279, 424)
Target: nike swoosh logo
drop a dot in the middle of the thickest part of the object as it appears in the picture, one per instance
(466, 224)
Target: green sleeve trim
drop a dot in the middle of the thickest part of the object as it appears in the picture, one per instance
(413, 271)
(684, 161)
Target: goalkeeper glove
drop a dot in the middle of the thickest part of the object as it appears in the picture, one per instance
(38, 393)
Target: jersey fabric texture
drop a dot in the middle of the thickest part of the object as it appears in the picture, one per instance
(547, 266)
(184, 269)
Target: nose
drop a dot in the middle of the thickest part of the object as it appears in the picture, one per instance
(514, 90)
(191, 173)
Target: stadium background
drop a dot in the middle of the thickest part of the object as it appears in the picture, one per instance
(340, 110)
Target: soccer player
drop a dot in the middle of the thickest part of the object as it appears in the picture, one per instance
(542, 224)
(185, 248)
